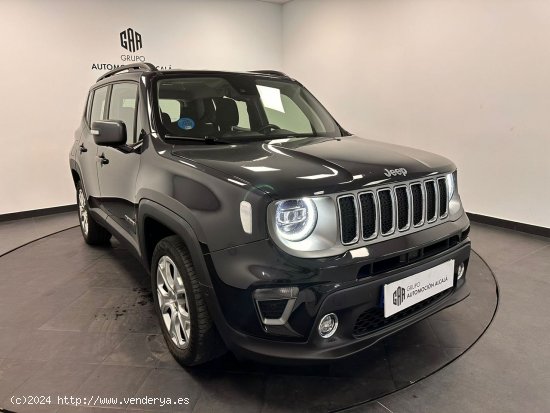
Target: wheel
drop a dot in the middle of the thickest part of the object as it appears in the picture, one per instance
(93, 233)
(185, 322)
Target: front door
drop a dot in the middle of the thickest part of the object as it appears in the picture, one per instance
(118, 166)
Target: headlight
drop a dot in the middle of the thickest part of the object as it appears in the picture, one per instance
(295, 219)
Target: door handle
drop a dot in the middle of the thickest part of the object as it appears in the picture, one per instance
(103, 160)
(83, 148)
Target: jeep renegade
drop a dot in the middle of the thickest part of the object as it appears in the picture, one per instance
(267, 229)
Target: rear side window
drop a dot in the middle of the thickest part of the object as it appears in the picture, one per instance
(123, 107)
(98, 106)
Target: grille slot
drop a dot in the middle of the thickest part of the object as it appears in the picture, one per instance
(368, 214)
(430, 201)
(348, 219)
(402, 200)
(392, 210)
(386, 211)
(443, 197)
(418, 204)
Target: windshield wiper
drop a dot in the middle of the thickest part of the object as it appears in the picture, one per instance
(205, 139)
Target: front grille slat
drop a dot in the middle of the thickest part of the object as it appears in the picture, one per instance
(443, 197)
(402, 207)
(418, 204)
(386, 211)
(402, 199)
(348, 219)
(368, 214)
(430, 201)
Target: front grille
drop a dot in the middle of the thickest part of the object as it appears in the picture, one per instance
(392, 210)
(373, 319)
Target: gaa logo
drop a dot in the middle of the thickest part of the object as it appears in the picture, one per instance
(399, 296)
(130, 40)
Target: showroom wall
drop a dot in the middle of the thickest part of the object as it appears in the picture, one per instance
(53, 51)
(469, 79)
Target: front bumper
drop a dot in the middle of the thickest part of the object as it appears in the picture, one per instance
(336, 285)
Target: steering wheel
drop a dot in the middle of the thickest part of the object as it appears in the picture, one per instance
(270, 126)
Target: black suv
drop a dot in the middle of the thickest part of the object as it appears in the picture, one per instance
(267, 228)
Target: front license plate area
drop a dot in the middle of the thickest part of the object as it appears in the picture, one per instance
(409, 291)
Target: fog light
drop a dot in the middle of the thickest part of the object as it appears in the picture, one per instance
(328, 325)
(460, 271)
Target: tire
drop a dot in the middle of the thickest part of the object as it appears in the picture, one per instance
(186, 324)
(93, 233)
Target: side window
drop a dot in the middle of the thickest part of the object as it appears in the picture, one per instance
(98, 105)
(88, 109)
(123, 107)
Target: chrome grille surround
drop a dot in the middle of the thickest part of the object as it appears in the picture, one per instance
(394, 232)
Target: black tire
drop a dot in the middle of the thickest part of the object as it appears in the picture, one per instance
(94, 234)
(204, 342)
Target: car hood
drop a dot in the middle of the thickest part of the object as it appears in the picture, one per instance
(313, 166)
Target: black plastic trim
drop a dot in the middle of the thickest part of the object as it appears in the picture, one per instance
(504, 223)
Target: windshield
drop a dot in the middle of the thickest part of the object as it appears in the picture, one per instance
(239, 107)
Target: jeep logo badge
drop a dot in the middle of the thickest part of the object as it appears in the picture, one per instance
(130, 40)
(394, 172)
(399, 296)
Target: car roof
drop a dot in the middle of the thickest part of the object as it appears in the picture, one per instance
(134, 72)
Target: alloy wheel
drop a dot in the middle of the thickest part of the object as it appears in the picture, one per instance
(82, 211)
(172, 300)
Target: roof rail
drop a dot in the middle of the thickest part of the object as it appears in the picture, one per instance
(270, 72)
(144, 67)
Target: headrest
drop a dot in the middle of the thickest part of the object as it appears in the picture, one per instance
(227, 114)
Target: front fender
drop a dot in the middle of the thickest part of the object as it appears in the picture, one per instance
(168, 218)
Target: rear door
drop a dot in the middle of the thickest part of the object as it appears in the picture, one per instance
(118, 166)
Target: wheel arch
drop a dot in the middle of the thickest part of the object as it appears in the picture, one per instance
(75, 172)
(156, 222)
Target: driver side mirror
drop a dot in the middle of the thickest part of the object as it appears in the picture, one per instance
(109, 132)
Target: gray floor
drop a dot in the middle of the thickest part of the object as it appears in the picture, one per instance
(16, 233)
(507, 370)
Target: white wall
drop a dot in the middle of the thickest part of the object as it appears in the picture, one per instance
(47, 49)
(469, 79)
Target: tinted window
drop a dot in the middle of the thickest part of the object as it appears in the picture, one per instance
(240, 106)
(123, 107)
(98, 105)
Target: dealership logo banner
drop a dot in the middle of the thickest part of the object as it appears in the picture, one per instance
(132, 41)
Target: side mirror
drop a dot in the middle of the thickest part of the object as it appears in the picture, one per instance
(109, 132)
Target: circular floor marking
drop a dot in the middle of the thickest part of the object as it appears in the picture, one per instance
(69, 307)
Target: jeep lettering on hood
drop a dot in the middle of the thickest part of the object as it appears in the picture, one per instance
(304, 166)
